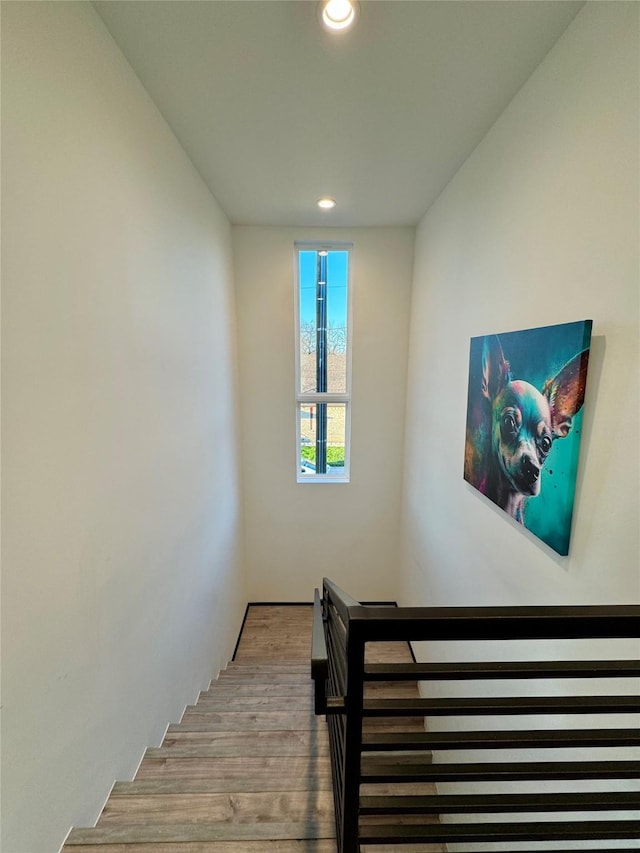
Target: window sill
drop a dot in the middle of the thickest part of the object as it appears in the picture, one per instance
(319, 478)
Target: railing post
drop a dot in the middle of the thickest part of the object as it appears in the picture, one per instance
(353, 739)
(319, 661)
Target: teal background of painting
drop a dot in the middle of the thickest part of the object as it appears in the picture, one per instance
(536, 355)
(549, 514)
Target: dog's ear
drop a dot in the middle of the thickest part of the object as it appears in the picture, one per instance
(565, 393)
(495, 369)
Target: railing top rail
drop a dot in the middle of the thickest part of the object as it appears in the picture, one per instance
(489, 623)
(340, 599)
(497, 623)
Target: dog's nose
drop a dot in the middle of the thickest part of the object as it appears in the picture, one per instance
(529, 468)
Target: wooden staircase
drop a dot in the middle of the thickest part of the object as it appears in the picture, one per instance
(247, 769)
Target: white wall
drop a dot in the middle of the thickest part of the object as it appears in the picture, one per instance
(296, 533)
(120, 586)
(540, 226)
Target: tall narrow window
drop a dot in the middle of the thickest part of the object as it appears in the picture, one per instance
(323, 364)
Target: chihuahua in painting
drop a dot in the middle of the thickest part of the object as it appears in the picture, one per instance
(505, 452)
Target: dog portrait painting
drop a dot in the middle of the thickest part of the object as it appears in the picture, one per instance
(524, 422)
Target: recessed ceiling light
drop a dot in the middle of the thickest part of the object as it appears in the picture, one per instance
(338, 14)
(326, 203)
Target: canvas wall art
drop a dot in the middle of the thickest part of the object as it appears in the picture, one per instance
(524, 423)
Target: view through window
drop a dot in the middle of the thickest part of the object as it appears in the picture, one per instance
(323, 370)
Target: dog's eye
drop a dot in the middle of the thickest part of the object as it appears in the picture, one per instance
(509, 423)
(545, 444)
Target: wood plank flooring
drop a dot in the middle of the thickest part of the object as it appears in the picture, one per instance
(247, 768)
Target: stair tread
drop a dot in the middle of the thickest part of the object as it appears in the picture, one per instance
(259, 666)
(188, 832)
(248, 721)
(226, 688)
(263, 679)
(205, 785)
(235, 808)
(248, 703)
(280, 740)
(307, 845)
(264, 771)
(249, 749)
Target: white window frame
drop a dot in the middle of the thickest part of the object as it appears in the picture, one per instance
(324, 397)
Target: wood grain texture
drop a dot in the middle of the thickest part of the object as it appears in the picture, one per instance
(270, 773)
(247, 768)
(283, 676)
(222, 702)
(185, 832)
(276, 632)
(238, 688)
(247, 721)
(272, 807)
(207, 744)
(266, 664)
(204, 785)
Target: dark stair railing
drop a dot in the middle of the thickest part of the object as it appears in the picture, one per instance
(343, 627)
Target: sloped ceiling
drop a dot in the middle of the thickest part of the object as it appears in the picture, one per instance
(275, 112)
